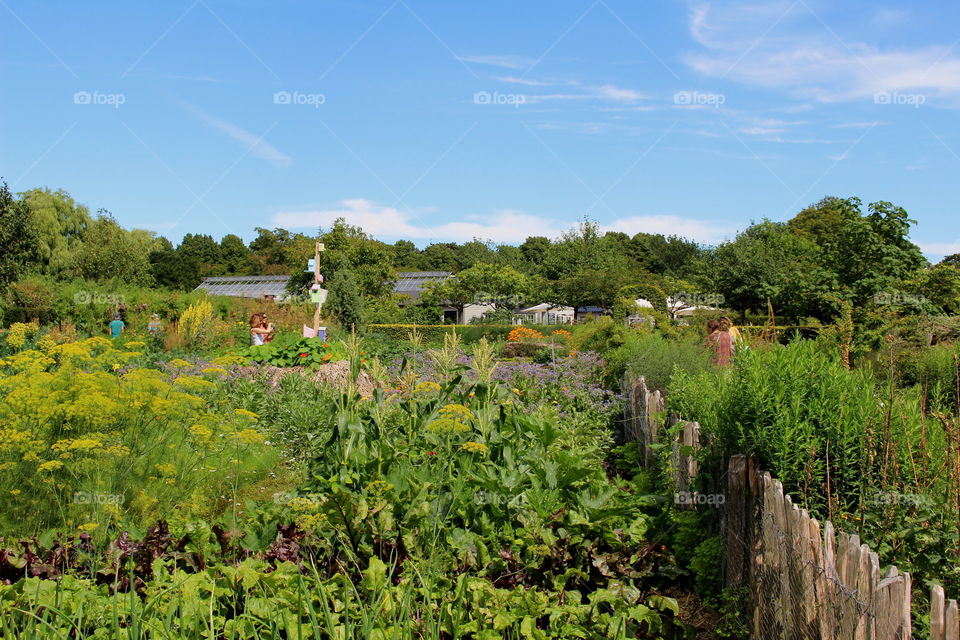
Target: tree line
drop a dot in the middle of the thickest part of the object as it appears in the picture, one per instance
(835, 254)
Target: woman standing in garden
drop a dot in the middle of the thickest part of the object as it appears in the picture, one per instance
(720, 340)
(259, 329)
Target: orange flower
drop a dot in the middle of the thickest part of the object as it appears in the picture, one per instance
(523, 333)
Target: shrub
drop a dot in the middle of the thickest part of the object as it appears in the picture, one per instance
(196, 325)
(86, 438)
(656, 358)
(600, 334)
(346, 303)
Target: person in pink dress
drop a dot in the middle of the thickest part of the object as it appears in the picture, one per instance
(720, 340)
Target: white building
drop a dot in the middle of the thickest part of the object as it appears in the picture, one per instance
(545, 313)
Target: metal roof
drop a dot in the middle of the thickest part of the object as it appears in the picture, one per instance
(246, 286)
(411, 282)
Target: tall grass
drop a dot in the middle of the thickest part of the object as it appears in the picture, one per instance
(858, 450)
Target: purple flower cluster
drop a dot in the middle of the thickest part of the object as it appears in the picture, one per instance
(572, 382)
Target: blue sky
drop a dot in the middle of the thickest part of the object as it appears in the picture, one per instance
(439, 121)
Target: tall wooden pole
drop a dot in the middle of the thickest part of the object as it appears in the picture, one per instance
(316, 278)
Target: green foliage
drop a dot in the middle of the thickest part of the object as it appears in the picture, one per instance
(501, 286)
(109, 251)
(196, 324)
(707, 566)
(845, 446)
(257, 601)
(345, 302)
(766, 261)
(600, 334)
(60, 224)
(656, 358)
(19, 243)
(935, 371)
(940, 285)
(456, 507)
(290, 350)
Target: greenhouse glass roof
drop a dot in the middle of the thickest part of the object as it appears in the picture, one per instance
(246, 286)
(411, 282)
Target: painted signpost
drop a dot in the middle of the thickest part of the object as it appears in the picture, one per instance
(318, 295)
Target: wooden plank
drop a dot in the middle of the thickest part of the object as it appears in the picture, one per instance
(905, 606)
(848, 604)
(889, 599)
(736, 517)
(937, 613)
(809, 546)
(770, 598)
(757, 528)
(873, 566)
(821, 591)
(840, 562)
(863, 581)
(798, 596)
(951, 621)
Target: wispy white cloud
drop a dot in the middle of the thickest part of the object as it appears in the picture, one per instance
(859, 125)
(616, 94)
(690, 228)
(507, 226)
(505, 61)
(760, 131)
(525, 81)
(603, 93)
(257, 146)
(783, 45)
(940, 249)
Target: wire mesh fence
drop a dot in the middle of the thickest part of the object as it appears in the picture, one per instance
(804, 582)
(798, 579)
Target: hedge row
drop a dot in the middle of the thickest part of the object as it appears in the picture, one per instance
(468, 332)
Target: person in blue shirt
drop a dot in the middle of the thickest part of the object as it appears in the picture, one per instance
(117, 326)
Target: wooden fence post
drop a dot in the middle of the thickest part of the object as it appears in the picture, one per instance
(737, 516)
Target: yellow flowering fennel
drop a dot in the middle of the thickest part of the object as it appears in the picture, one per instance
(475, 447)
(452, 420)
(426, 387)
(69, 423)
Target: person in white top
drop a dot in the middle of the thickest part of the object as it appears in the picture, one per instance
(259, 329)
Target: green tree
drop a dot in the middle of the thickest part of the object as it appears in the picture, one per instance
(503, 287)
(279, 252)
(235, 255)
(107, 251)
(583, 248)
(440, 257)
(666, 255)
(593, 287)
(59, 223)
(369, 260)
(534, 251)
(864, 254)
(767, 262)
(940, 285)
(405, 254)
(171, 270)
(19, 242)
(345, 303)
(203, 251)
